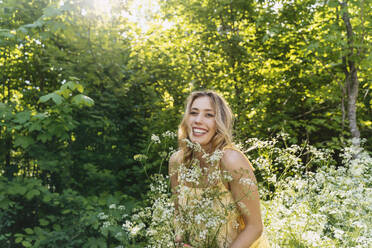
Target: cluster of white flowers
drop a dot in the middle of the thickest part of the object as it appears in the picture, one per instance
(214, 158)
(195, 146)
(161, 230)
(102, 216)
(329, 208)
(191, 174)
(155, 139)
(203, 215)
(169, 134)
(106, 224)
(246, 181)
(358, 159)
(226, 176)
(215, 175)
(258, 144)
(133, 228)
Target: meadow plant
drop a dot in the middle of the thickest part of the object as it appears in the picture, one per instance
(326, 207)
(307, 198)
(201, 218)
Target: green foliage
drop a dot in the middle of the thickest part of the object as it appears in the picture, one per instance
(32, 216)
(82, 91)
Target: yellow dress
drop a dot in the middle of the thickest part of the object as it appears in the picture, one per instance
(233, 222)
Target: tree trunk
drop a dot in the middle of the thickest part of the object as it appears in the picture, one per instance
(351, 77)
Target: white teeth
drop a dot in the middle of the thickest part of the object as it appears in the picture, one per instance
(199, 131)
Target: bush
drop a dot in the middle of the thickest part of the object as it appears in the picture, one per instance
(32, 216)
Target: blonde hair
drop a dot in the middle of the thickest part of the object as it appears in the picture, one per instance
(224, 124)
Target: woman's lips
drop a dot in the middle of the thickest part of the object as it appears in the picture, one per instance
(199, 131)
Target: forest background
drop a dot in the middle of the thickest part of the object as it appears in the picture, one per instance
(85, 84)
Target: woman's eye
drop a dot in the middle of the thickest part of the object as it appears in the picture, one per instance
(193, 113)
(210, 115)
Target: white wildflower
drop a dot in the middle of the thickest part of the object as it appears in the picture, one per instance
(311, 237)
(195, 146)
(203, 234)
(214, 158)
(134, 230)
(246, 181)
(227, 176)
(198, 218)
(169, 134)
(106, 224)
(102, 216)
(338, 233)
(155, 139)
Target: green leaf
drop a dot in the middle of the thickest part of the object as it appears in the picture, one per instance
(64, 92)
(5, 203)
(44, 137)
(40, 116)
(36, 24)
(43, 222)
(51, 12)
(82, 100)
(18, 240)
(32, 193)
(47, 198)
(29, 231)
(23, 141)
(6, 33)
(35, 126)
(22, 117)
(80, 88)
(45, 98)
(3, 106)
(18, 189)
(57, 227)
(55, 97)
(68, 85)
(26, 244)
(66, 211)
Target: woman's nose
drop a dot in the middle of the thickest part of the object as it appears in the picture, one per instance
(199, 118)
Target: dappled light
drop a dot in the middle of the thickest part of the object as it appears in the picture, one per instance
(93, 93)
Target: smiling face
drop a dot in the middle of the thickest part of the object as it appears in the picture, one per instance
(201, 121)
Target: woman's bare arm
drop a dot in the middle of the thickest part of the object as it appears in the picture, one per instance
(245, 192)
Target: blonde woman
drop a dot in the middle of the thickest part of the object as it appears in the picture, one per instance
(207, 123)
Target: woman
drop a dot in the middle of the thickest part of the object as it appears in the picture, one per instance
(206, 128)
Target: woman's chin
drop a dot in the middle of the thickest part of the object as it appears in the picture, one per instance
(201, 142)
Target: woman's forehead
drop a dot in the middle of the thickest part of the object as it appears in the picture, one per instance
(202, 103)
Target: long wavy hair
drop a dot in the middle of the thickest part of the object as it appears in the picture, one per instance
(224, 123)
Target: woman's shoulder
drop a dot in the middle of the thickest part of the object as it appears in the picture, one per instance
(176, 157)
(234, 159)
(174, 162)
